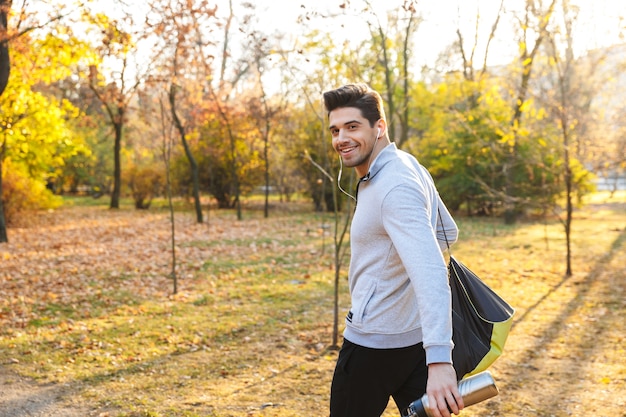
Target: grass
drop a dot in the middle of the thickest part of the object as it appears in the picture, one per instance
(87, 303)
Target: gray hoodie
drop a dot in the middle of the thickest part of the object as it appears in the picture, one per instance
(398, 276)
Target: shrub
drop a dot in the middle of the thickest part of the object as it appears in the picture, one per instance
(145, 183)
(21, 193)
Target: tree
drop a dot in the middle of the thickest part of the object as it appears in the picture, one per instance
(5, 69)
(166, 134)
(215, 153)
(263, 108)
(513, 145)
(568, 94)
(394, 56)
(286, 157)
(24, 25)
(601, 143)
(262, 113)
(182, 131)
(468, 57)
(35, 134)
(218, 90)
(178, 26)
(5, 63)
(117, 88)
(535, 22)
(461, 143)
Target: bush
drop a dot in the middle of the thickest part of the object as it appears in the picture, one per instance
(145, 183)
(21, 193)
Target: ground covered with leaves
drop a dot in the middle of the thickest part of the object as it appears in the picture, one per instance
(89, 325)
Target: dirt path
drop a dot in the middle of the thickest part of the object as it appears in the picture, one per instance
(20, 397)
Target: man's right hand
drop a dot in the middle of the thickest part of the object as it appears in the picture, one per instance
(442, 390)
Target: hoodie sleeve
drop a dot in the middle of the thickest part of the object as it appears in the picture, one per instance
(407, 215)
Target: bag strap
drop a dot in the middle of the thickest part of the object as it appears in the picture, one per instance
(443, 228)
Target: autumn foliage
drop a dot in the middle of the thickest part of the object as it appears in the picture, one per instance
(22, 195)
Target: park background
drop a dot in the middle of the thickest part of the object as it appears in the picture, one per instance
(173, 239)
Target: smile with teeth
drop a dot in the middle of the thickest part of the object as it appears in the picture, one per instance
(347, 149)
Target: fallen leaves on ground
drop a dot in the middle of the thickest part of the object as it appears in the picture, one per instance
(86, 304)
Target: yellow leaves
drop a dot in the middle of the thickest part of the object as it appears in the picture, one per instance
(114, 40)
(522, 46)
(540, 114)
(99, 19)
(439, 152)
(526, 106)
(35, 129)
(23, 148)
(508, 138)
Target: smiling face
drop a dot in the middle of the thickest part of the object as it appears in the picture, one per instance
(354, 140)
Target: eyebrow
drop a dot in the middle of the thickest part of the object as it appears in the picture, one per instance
(346, 123)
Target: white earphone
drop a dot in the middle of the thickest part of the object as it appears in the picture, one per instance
(378, 134)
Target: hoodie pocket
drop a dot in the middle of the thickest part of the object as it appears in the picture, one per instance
(362, 304)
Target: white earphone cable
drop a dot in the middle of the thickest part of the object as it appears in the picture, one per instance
(339, 180)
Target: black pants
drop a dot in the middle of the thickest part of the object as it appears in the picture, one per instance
(365, 378)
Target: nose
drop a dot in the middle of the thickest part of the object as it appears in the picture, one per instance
(342, 136)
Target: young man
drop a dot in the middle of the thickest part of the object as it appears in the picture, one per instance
(398, 335)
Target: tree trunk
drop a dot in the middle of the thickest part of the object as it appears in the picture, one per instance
(235, 175)
(266, 207)
(3, 226)
(570, 209)
(5, 70)
(5, 62)
(117, 169)
(195, 176)
(266, 156)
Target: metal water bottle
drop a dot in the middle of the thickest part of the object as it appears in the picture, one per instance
(474, 389)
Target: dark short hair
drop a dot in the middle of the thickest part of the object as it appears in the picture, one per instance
(358, 95)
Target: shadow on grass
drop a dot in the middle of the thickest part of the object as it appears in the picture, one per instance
(527, 375)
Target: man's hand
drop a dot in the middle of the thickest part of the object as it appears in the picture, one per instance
(442, 390)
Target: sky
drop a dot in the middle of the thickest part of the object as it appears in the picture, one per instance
(599, 20)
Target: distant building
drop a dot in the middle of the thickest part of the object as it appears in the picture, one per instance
(615, 182)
